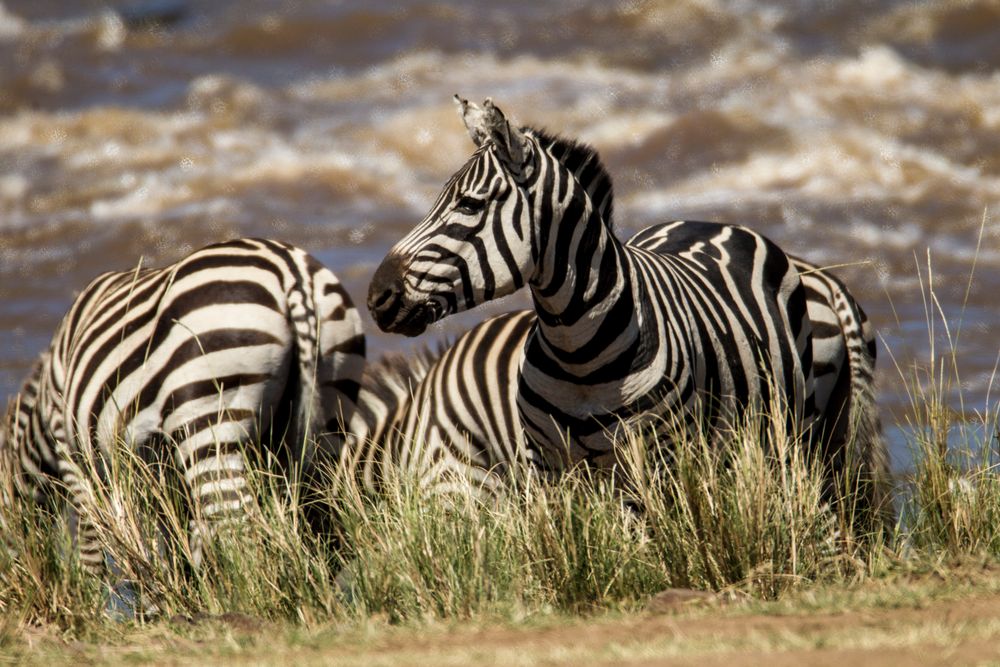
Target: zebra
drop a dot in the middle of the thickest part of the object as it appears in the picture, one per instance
(686, 318)
(240, 342)
(408, 425)
(379, 445)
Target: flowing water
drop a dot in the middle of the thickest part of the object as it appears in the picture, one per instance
(864, 135)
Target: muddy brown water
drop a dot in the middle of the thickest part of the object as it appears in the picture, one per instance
(860, 135)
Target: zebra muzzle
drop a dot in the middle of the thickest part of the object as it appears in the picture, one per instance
(412, 322)
(388, 305)
(389, 311)
(385, 293)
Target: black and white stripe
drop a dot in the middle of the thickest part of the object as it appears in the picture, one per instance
(462, 425)
(238, 343)
(453, 421)
(379, 448)
(685, 318)
(445, 419)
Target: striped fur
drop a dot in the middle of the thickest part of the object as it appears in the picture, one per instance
(455, 419)
(380, 447)
(462, 425)
(444, 418)
(685, 318)
(844, 355)
(242, 342)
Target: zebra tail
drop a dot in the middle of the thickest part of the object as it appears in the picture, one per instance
(330, 349)
(869, 453)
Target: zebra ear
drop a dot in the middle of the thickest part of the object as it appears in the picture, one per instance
(472, 116)
(489, 123)
(512, 145)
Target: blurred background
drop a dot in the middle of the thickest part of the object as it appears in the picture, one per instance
(863, 135)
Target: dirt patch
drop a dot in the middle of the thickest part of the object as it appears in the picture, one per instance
(923, 619)
(234, 620)
(964, 631)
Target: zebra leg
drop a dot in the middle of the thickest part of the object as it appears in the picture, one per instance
(77, 473)
(85, 533)
(212, 458)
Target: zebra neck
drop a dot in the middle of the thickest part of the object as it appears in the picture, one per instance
(590, 323)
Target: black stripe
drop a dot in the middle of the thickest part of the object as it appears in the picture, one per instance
(355, 345)
(206, 343)
(826, 330)
(209, 387)
(349, 388)
(209, 294)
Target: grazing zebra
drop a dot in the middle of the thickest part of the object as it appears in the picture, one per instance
(444, 418)
(686, 318)
(241, 342)
(379, 446)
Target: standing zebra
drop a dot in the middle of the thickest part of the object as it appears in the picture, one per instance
(686, 318)
(454, 420)
(240, 342)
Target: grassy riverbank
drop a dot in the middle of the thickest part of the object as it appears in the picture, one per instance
(758, 562)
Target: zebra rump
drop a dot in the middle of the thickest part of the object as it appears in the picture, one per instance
(244, 342)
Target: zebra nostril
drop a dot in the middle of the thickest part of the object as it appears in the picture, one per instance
(382, 299)
(384, 305)
(385, 289)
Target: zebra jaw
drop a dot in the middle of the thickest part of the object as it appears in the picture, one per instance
(393, 315)
(414, 320)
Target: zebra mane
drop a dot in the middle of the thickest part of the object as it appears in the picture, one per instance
(583, 160)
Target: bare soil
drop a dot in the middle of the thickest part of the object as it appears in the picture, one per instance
(965, 631)
(932, 621)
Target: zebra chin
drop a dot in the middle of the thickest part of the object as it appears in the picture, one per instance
(412, 321)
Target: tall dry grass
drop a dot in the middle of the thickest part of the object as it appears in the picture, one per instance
(744, 512)
(952, 506)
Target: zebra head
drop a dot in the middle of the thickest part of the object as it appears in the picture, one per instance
(475, 244)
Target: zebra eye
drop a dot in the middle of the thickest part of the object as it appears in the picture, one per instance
(469, 205)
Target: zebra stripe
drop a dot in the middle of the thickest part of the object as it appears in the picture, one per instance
(379, 448)
(235, 344)
(445, 419)
(686, 317)
(462, 425)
